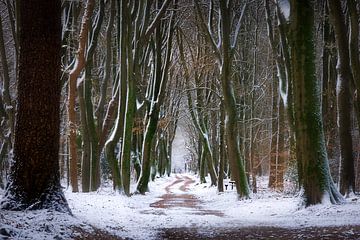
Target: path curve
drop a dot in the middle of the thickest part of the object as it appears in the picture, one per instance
(184, 199)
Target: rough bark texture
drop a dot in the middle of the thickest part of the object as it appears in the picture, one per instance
(347, 175)
(34, 177)
(311, 152)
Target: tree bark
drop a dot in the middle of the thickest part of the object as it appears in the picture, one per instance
(236, 162)
(347, 174)
(5, 94)
(355, 67)
(221, 173)
(34, 174)
(314, 174)
(73, 77)
(329, 103)
(274, 133)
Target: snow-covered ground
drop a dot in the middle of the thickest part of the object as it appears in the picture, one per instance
(134, 217)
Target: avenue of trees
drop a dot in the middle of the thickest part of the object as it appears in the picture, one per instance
(94, 91)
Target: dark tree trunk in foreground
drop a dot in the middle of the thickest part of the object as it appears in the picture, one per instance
(34, 177)
(311, 152)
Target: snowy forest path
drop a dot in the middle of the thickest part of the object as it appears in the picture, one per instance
(179, 197)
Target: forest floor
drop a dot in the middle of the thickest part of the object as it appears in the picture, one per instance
(179, 207)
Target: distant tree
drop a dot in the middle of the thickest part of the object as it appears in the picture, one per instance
(34, 181)
(196, 101)
(224, 51)
(7, 113)
(280, 87)
(314, 172)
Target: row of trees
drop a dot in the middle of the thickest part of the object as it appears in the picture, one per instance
(247, 77)
(275, 45)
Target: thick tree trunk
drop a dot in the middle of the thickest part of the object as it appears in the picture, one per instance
(347, 175)
(314, 175)
(34, 175)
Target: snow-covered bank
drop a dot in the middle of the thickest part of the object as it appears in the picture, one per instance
(268, 208)
(134, 218)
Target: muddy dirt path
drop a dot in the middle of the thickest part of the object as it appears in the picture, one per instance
(184, 199)
(263, 233)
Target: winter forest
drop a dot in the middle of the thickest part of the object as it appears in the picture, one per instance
(179, 119)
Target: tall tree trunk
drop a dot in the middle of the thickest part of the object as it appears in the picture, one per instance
(329, 103)
(34, 175)
(120, 97)
(130, 109)
(90, 120)
(85, 151)
(314, 174)
(347, 175)
(282, 153)
(355, 67)
(5, 91)
(274, 133)
(161, 71)
(100, 110)
(236, 161)
(221, 171)
(73, 77)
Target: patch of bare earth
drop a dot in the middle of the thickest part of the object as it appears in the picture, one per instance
(95, 234)
(314, 233)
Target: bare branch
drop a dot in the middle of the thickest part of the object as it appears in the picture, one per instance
(156, 20)
(238, 26)
(207, 31)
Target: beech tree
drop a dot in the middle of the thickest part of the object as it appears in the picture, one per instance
(314, 172)
(280, 96)
(156, 93)
(198, 95)
(76, 70)
(344, 80)
(34, 180)
(224, 52)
